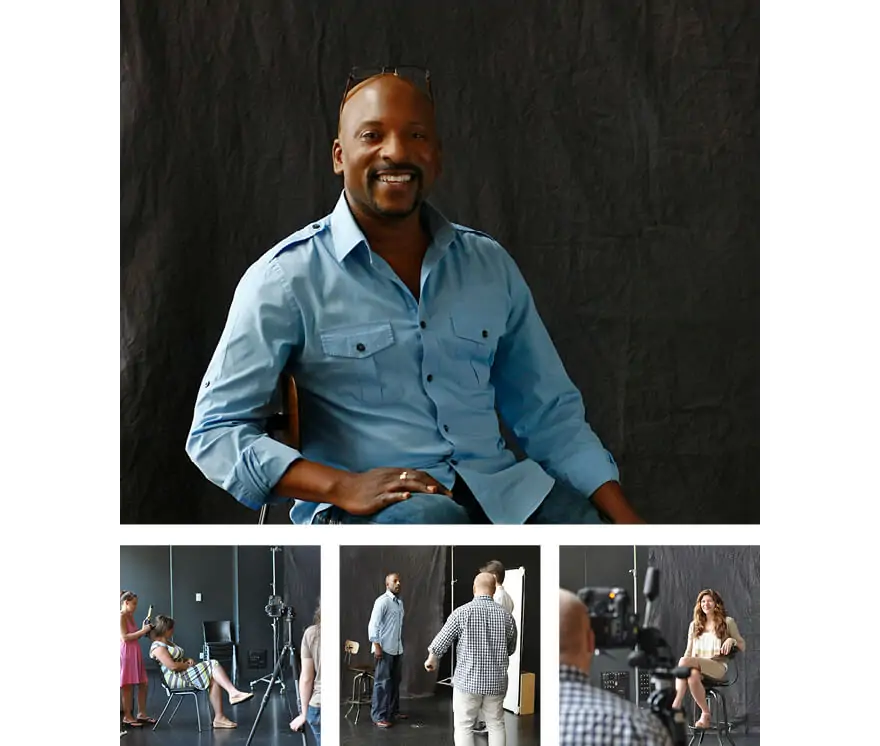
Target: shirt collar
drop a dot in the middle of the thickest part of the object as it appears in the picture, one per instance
(483, 595)
(347, 234)
(570, 673)
(391, 595)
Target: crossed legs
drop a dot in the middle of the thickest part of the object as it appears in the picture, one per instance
(694, 682)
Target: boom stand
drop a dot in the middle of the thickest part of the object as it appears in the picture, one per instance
(275, 635)
(276, 674)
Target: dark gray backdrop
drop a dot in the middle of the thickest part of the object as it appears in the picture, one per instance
(235, 585)
(425, 574)
(611, 147)
(684, 571)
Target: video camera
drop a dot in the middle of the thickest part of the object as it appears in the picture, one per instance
(276, 609)
(615, 626)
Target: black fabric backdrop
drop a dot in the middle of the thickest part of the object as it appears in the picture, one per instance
(735, 572)
(611, 147)
(422, 570)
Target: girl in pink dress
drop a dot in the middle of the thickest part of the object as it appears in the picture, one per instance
(131, 662)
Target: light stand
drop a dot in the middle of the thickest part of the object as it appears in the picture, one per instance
(276, 674)
(635, 575)
(448, 680)
(276, 657)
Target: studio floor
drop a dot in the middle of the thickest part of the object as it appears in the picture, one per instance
(430, 722)
(272, 730)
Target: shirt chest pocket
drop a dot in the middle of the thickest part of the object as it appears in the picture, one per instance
(472, 344)
(351, 365)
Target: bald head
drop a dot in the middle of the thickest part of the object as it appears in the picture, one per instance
(368, 93)
(576, 641)
(484, 584)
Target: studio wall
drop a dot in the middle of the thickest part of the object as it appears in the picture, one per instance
(612, 148)
(235, 585)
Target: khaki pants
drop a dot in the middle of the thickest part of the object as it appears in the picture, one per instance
(467, 707)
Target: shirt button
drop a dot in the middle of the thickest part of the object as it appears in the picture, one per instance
(422, 324)
(430, 378)
(446, 428)
(453, 461)
(485, 334)
(207, 383)
(316, 225)
(361, 347)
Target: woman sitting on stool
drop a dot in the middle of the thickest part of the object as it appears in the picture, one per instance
(182, 672)
(711, 636)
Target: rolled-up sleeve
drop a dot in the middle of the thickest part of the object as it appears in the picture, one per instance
(538, 401)
(228, 440)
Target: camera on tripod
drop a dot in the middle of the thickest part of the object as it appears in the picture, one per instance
(615, 626)
(276, 609)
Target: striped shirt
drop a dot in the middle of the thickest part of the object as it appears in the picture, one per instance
(486, 638)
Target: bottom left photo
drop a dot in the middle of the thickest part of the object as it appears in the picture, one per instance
(220, 644)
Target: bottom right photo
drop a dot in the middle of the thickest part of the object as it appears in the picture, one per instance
(659, 645)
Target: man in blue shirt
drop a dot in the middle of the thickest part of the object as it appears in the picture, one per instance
(386, 637)
(408, 337)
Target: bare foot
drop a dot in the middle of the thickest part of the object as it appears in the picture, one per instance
(704, 722)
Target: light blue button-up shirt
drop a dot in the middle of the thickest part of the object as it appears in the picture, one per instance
(386, 623)
(388, 380)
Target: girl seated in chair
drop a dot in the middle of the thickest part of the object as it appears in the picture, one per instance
(180, 672)
(711, 636)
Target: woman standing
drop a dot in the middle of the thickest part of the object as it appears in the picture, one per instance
(310, 678)
(131, 662)
(179, 671)
(711, 636)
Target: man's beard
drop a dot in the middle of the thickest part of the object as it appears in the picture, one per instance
(397, 214)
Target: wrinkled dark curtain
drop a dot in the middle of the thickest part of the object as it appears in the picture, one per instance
(362, 572)
(735, 573)
(612, 147)
(302, 586)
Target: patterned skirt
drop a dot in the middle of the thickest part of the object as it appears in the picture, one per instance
(198, 676)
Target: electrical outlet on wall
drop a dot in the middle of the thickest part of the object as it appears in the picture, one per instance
(201, 655)
(198, 597)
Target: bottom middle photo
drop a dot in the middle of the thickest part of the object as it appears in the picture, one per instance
(440, 642)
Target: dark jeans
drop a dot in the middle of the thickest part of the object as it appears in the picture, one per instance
(564, 504)
(313, 718)
(386, 688)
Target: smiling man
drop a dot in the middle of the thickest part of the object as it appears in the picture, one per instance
(408, 336)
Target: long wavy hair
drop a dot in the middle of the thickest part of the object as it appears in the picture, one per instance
(719, 615)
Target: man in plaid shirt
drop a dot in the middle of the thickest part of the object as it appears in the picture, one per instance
(486, 638)
(589, 716)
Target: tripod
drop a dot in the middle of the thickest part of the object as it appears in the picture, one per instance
(275, 635)
(276, 674)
